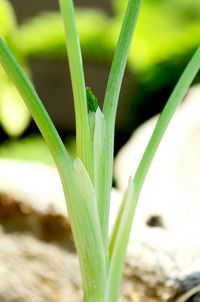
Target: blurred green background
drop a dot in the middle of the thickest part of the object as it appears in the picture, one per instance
(167, 33)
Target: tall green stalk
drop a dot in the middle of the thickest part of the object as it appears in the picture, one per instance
(110, 106)
(78, 85)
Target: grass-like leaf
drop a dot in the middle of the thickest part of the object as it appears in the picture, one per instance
(99, 134)
(90, 243)
(86, 230)
(119, 245)
(78, 83)
(122, 227)
(175, 99)
(35, 106)
(110, 105)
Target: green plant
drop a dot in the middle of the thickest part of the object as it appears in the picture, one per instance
(87, 180)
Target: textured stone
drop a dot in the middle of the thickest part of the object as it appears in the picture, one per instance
(35, 271)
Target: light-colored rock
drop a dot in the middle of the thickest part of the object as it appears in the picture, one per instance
(32, 200)
(173, 180)
(34, 271)
(36, 184)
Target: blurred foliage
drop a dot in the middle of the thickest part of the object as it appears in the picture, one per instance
(7, 19)
(167, 33)
(93, 26)
(166, 28)
(14, 116)
(32, 148)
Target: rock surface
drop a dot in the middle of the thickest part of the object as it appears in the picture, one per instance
(34, 271)
(173, 180)
(37, 255)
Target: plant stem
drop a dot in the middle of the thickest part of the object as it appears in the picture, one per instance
(36, 107)
(118, 245)
(84, 148)
(119, 60)
(110, 105)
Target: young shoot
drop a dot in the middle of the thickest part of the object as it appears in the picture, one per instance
(87, 181)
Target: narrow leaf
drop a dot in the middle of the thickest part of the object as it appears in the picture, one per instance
(98, 154)
(88, 237)
(116, 225)
(173, 102)
(120, 59)
(78, 83)
(86, 188)
(36, 108)
(119, 245)
(111, 101)
(125, 218)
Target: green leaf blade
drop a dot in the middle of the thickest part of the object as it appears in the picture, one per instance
(78, 83)
(173, 102)
(88, 236)
(120, 60)
(119, 242)
(35, 107)
(122, 228)
(111, 101)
